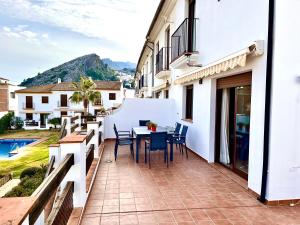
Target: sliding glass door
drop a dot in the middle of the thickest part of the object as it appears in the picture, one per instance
(233, 124)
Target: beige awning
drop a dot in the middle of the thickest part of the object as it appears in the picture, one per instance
(160, 87)
(238, 59)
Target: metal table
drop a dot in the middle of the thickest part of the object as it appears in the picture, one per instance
(143, 132)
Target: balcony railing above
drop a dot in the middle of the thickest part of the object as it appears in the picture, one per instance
(183, 41)
(28, 106)
(63, 104)
(163, 59)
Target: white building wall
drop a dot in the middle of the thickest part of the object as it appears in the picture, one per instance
(13, 102)
(220, 33)
(284, 166)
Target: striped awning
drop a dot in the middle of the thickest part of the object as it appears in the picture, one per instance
(160, 87)
(238, 59)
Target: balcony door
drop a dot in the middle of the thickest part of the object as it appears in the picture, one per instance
(63, 100)
(191, 26)
(29, 102)
(233, 122)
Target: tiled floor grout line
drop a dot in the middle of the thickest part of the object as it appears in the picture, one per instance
(164, 210)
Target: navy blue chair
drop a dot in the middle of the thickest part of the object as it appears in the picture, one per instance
(123, 138)
(143, 123)
(177, 128)
(181, 140)
(157, 141)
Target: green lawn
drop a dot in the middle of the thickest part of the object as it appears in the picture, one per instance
(34, 156)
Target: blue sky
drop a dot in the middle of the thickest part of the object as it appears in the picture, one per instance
(36, 35)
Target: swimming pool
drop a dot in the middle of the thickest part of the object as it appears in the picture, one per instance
(8, 145)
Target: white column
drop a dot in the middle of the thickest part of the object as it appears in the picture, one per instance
(78, 121)
(54, 150)
(77, 172)
(95, 139)
(68, 125)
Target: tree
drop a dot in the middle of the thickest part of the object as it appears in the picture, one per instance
(86, 93)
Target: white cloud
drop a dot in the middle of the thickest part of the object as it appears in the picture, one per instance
(123, 22)
(46, 36)
(6, 29)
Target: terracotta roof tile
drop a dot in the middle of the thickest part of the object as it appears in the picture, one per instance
(37, 89)
(68, 86)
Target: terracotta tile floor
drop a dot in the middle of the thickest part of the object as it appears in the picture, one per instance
(190, 191)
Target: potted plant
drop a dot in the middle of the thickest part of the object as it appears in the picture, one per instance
(148, 124)
(102, 111)
(153, 127)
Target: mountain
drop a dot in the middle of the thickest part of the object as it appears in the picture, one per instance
(118, 65)
(89, 65)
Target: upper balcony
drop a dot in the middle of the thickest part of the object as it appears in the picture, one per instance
(183, 44)
(63, 104)
(28, 106)
(162, 63)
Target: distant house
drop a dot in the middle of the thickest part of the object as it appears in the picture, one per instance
(39, 103)
(8, 98)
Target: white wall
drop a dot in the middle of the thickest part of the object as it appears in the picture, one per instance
(13, 102)
(160, 111)
(284, 167)
(220, 33)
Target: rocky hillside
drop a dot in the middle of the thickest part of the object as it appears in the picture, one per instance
(89, 65)
(117, 65)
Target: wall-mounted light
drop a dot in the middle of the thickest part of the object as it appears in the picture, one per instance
(200, 81)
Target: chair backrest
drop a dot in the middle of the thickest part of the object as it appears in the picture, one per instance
(158, 140)
(184, 131)
(177, 128)
(116, 131)
(143, 122)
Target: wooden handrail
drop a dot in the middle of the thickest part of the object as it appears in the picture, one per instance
(63, 208)
(74, 127)
(63, 131)
(48, 188)
(90, 135)
(50, 167)
(74, 118)
(89, 157)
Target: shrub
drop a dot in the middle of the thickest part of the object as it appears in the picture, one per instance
(5, 122)
(55, 121)
(17, 123)
(30, 172)
(31, 179)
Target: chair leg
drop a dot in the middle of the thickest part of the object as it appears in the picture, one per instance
(145, 154)
(167, 157)
(149, 160)
(131, 150)
(116, 151)
(186, 151)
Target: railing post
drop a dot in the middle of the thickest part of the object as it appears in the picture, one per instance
(78, 121)
(68, 124)
(94, 125)
(77, 173)
(54, 150)
(100, 118)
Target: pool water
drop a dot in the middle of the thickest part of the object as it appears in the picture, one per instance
(8, 145)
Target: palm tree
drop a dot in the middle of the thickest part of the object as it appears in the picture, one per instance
(86, 93)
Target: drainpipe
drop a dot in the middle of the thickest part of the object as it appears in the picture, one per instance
(268, 94)
(152, 49)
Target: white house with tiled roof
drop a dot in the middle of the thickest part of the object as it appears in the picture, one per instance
(40, 103)
(8, 99)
